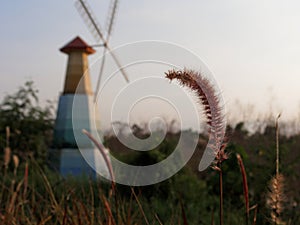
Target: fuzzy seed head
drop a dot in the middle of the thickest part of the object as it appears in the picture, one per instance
(16, 161)
(213, 109)
(276, 198)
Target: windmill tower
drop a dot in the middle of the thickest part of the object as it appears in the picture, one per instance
(77, 88)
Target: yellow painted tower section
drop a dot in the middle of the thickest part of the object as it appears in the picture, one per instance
(77, 75)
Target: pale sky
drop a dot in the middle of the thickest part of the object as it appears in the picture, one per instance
(252, 47)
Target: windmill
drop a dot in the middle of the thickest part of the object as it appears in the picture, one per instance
(72, 153)
(94, 26)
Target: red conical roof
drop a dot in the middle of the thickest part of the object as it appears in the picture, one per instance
(77, 44)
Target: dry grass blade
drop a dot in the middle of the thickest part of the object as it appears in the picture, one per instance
(88, 216)
(108, 210)
(277, 143)
(46, 220)
(47, 185)
(184, 218)
(11, 205)
(245, 185)
(129, 216)
(212, 217)
(102, 150)
(158, 220)
(221, 211)
(92, 212)
(64, 220)
(140, 205)
(25, 180)
(255, 213)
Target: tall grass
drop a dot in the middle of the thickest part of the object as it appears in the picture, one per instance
(35, 196)
(43, 201)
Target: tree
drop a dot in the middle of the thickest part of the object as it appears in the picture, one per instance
(30, 124)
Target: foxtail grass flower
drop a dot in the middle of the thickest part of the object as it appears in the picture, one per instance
(276, 198)
(213, 110)
(7, 156)
(16, 162)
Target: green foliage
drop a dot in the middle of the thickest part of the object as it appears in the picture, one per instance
(30, 124)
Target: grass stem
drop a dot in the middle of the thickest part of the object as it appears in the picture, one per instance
(221, 194)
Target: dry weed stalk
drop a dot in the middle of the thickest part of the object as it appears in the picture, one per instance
(102, 150)
(109, 212)
(25, 180)
(245, 185)
(213, 111)
(7, 150)
(12, 203)
(275, 197)
(255, 213)
(140, 206)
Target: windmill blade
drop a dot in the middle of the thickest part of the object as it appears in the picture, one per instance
(87, 14)
(111, 17)
(102, 67)
(85, 11)
(110, 20)
(118, 64)
(101, 71)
